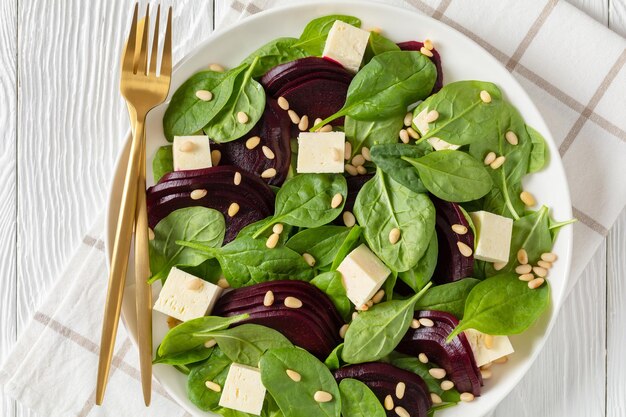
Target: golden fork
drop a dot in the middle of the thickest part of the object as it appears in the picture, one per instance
(143, 90)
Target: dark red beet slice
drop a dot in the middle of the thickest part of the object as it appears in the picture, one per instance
(451, 264)
(455, 357)
(382, 379)
(255, 198)
(436, 58)
(277, 77)
(318, 97)
(274, 129)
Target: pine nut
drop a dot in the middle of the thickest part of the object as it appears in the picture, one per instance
(216, 156)
(213, 386)
(361, 170)
(404, 136)
(544, 264)
(210, 343)
(272, 241)
(268, 173)
(369, 303)
(304, 123)
(216, 68)
(367, 155)
(426, 52)
(467, 397)
(485, 96)
(394, 235)
(195, 284)
(527, 198)
(292, 302)
(363, 307)
(376, 29)
(378, 297)
(204, 95)
(489, 341)
(269, 154)
(464, 249)
(437, 373)
(150, 234)
(511, 137)
(355, 315)
(459, 229)
(415, 324)
(295, 119)
(501, 360)
(485, 373)
(309, 259)
(498, 162)
(253, 142)
(187, 146)
(526, 277)
(347, 151)
(435, 398)
(278, 228)
(408, 119)
(431, 116)
(358, 160)
(522, 256)
(548, 257)
(401, 411)
(336, 201)
(326, 128)
(343, 330)
(233, 209)
(268, 300)
(491, 156)
(447, 385)
(388, 403)
(322, 396)
(400, 390)
(499, 265)
(242, 118)
(198, 194)
(428, 44)
(486, 366)
(350, 169)
(426, 322)
(283, 103)
(540, 272)
(172, 322)
(295, 376)
(536, 283)
(412, 133)
(422, 358)
(317, 121)
(348, 219)
(237, 178)
(223, 283)
(523, 269)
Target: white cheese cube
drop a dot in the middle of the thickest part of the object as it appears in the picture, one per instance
(421, 125)
(483, 355)
(346, 44)
(493, 236)
(186, 297)
(321, 152)
(191, 152)
(243, 389)
(440, 144)
(363, 273)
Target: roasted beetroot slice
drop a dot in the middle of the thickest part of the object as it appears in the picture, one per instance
(277, 77)
(274, 129)
(318, 98)
(455, 357)
(436, 58)
(382, 379)
(451, 264)
(354, 186)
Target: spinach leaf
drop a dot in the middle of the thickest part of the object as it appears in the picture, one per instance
(333, 361)
(316, 31)
(246, 344)
(418, 276)
(357, 400)
(322, 243)
(163, 162)
(273, 53)
(252, 229)
(448, 297)
(389, 159)
(412, 364)
(181, 359)
(191, 335)
(295, 399)
(387, 85)
(200, 224)
(246, 261)
(208, 270)
(384, 204)
(539, 152)
(186, 114)
(378, 44)
(389, 285)
(463, 117)
(374, 333)
(248, 97)
(331, 283)
(349, 243)
(367, 133)
(452, 175)
(502, 305)
(214, 369)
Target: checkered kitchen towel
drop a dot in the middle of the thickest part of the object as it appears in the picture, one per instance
(572, 67)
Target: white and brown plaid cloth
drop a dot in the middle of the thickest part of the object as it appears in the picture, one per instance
(572, 67)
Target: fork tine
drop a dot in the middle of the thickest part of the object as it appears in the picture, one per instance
(142, 63)
(155, 43)
(129, 54)
(166, 60)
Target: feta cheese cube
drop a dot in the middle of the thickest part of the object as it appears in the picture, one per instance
(186, 297)
(243, 389)
(191, 152)
(362, 274)
(346, 44)
(483, 355)
(493, 236)
(421, 125)
(440, 144)
(321, 152)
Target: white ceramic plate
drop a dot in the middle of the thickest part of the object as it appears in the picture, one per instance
(462, 60)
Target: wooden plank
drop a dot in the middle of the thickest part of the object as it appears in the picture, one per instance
(617, 16)
(8, 202)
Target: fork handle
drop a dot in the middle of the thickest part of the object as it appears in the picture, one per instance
(119, 261)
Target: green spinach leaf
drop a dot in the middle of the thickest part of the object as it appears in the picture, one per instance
(349, 243)
(539, 152)
(418, 276)
(389, 159)
(368, 133)
(246, 344)
(412, 364)
(316, 31)
(331, 283)
(357, 400)
(333, 361)
(208, 270)
(214, 369)
(163, 162)
(322, 243)
(273, 53)
(448, 297)
(378, 44)
(265, 231)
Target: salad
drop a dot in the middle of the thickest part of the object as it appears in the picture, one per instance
(340, 233)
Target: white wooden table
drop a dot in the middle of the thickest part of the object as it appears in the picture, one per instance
(63, 122)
